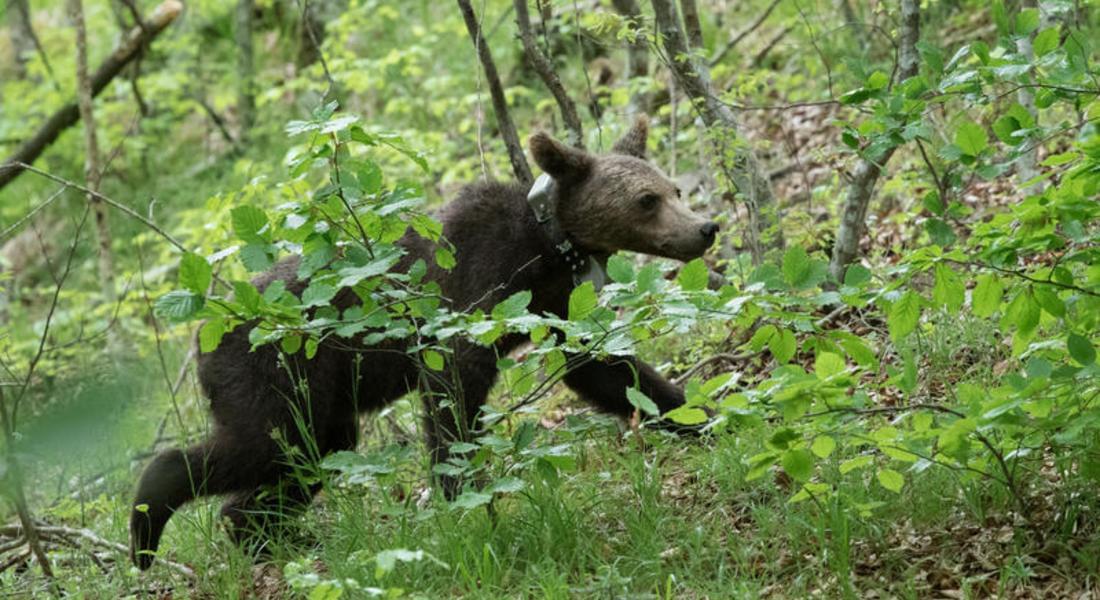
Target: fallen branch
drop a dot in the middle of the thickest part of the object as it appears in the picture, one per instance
(72, 537)
(68, 115)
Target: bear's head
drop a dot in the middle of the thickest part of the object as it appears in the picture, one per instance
(619, 201)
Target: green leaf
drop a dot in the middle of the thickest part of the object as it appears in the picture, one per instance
(1023, 312)
(1027, 20)
(470, 500)
(798, 463)
(940, 232)
(433, 360)
(783, 346)
(291, 343)
(860, 352)
(685, 415)
(1000, 17)
(971, 138)
(856, 96)
(823, 446)
(318, 294)
(855, 463)
(1004, 128)
(1081, 349)
(582, 301)
(178, 305)
(255, 257)
(904, 316)
(620, 269)
(878, 80)
(506, 485)
(444, 258)
(856, 275)
(642, 402)
(828, 364)
(891, 480)
(513, 306)
(1049, 301)
(797, 267)
(762, 336)
(195, 273)
(986, 298)
(210, 335)
(245, 293)
(949, 289)
(248, 223)
(694, 275)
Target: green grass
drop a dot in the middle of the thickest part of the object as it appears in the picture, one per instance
(675, 519)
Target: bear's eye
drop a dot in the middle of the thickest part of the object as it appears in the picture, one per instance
(649, 201)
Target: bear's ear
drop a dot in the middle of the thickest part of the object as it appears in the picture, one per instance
(561, 162)
(633, 143)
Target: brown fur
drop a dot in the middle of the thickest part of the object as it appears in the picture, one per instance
(314, 404)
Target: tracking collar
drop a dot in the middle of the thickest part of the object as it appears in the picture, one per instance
(543, 200)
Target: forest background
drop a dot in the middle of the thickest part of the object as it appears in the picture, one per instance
(895, 335)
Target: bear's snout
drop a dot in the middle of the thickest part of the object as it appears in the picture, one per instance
(709, 231)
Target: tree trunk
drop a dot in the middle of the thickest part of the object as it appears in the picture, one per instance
(496, 91)
(1026, 164)
(738, 164)
(637, 55)
(22, 36)
(545, 69)
(692, 26)
(246, 91)
(92, 168)
(68, 115)
(853, 219)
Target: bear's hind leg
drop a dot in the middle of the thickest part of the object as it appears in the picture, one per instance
(172, 479)
(256, 517)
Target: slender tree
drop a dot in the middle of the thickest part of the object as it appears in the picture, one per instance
(68, 115)
(693, 27)
(22, 36)
(545, 69)
(853, 216)
(92, 168)
(637, 54)
(1026, 168)
(738, 163)
(496, 92)
(246, 92)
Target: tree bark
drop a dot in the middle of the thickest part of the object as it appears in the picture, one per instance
(692, 26)
(1026, 164)
(545, 69)
(22, 36)
(68, 115)
(92, 169)
(17, 490)
(496, 92)
(24, 41)
(738, 164)
(853, 218)
(246, 92)
(637, 54)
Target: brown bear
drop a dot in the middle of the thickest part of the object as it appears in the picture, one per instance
(603, 204)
